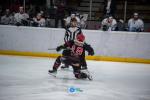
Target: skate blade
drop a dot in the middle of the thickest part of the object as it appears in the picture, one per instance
(52, 74)
(90, 78)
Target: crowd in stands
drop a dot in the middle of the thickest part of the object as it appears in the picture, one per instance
(134, 24)
(109, 23)
(40, 19)
(21, 18)
(43, 19)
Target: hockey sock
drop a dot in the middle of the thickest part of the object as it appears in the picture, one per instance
(57, 63)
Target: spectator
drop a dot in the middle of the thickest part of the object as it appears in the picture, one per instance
(7, 18)
(42, 13)
(120, 25)
(21, 17)
(15, 4)
(135, 24)
(39, 21)
(68, 20)
(0, 12)
(60, 14)
(83, 20)
(109, 24)
(109, 7)
(32, 11)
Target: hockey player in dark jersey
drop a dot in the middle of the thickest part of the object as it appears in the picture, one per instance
(74, 57)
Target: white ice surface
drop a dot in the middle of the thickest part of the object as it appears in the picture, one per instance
(26, 78)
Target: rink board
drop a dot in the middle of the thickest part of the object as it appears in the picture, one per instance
(97, 58)
(109, 46)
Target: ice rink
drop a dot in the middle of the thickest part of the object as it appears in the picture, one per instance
(26, 78)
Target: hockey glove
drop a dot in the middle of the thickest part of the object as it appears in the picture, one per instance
(59, 48)
(91, 53)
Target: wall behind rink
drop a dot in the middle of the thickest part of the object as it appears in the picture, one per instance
(109, 45)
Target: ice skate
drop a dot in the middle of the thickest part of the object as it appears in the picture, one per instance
(52, 72)
(89, 76)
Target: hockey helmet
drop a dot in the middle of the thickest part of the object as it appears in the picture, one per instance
(80, 38)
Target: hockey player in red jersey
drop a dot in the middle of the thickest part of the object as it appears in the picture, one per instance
(75, 57)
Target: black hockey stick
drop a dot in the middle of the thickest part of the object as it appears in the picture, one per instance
(51, 48)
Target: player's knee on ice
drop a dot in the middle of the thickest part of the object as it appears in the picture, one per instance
(80, 75)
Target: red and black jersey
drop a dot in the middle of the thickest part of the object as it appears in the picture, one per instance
(78, 51)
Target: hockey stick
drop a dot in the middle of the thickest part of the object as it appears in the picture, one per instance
(51, 48)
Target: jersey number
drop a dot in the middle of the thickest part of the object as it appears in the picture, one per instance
(78, 50)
